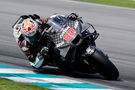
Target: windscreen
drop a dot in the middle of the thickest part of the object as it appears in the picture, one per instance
(57, 23)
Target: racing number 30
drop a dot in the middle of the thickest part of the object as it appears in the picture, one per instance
(69, 35)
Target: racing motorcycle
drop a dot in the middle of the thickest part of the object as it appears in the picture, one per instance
(75, 48)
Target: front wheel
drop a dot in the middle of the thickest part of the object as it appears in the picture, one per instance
(103, 65)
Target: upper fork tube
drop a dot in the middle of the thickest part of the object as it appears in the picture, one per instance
(90, 50)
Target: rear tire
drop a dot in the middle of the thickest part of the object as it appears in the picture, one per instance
(103, 65)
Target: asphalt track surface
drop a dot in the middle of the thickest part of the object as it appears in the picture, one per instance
(116, 27)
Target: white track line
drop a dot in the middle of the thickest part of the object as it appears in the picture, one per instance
(19, 71)
(42, 80)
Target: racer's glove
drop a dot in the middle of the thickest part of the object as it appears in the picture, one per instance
(44, 51)
(72, 16)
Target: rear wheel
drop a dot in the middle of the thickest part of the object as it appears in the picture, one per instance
(103, 65)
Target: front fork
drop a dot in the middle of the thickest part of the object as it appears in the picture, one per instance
(90, 51)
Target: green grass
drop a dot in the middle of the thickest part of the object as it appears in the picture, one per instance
(6, 84)
(122, 3)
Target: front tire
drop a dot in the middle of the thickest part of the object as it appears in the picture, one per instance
(103, 65)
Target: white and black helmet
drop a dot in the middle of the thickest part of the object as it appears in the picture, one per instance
(29, 27)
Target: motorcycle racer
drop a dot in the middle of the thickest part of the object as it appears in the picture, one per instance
(28, 31)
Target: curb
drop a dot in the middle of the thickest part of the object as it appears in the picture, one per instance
(45, 80)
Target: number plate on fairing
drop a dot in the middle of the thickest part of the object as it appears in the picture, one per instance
(69, 35)
(66, 37)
